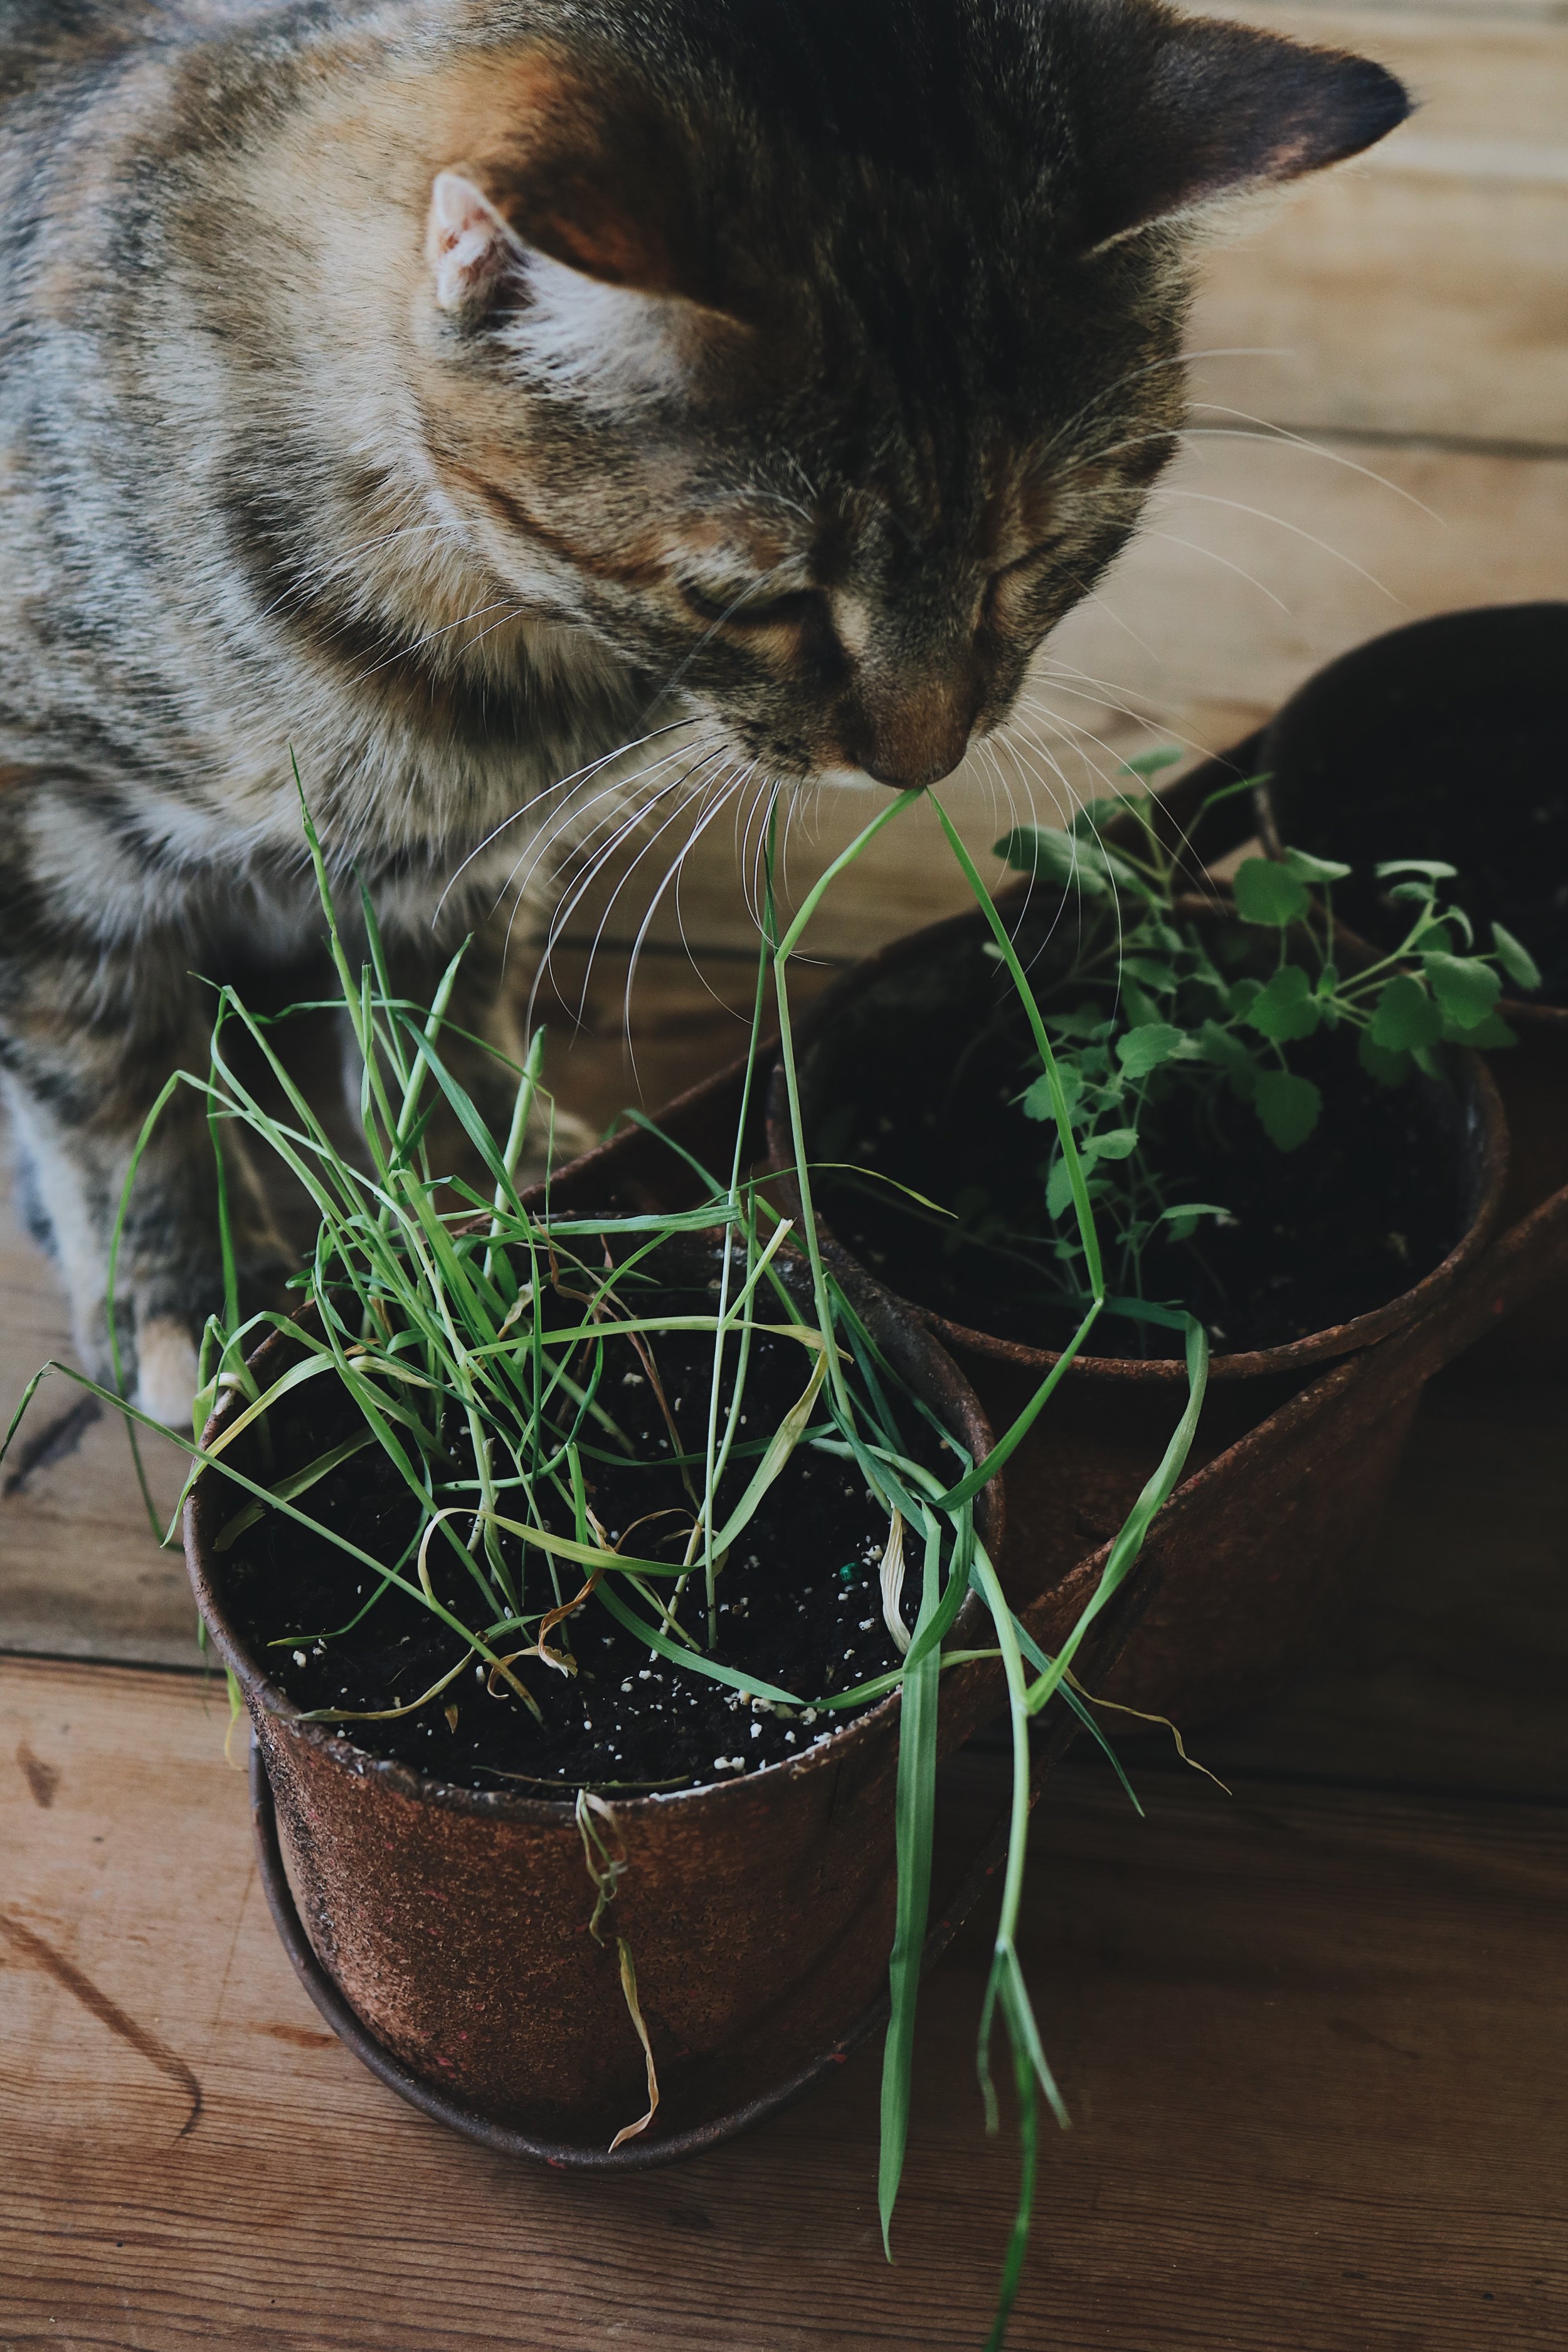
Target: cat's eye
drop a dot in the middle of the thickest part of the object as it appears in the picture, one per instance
(1016, 576)
(755, 609)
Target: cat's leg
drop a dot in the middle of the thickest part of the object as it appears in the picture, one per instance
(91, 1026)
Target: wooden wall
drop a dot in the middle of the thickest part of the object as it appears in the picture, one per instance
(1379, 430)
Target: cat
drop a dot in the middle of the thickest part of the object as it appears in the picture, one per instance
(455, 397)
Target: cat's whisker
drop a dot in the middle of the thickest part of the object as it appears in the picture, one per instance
(1153, 716)
(623, 813)
(565, 784)
(570, 901)
(1268, 431)
(1153, 367)
(751, 862)
(1298, 530)
(1183, 835)
(621, 819)
(1195, 547)
(720, 789)
(634, 819)
(558, 927)
(1093, 596)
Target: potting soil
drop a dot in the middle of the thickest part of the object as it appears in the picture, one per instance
(1357, 1214)
(799, 1597)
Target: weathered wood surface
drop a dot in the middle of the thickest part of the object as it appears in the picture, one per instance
(1311, 2033)
(1424, 289)
(1314, 2044)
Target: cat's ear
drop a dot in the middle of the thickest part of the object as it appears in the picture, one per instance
(596, 180)
(469, 245)
(1209, 110)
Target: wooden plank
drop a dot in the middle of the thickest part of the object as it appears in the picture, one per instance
(1313, 2043)
(1422, 289)
(81, 1575)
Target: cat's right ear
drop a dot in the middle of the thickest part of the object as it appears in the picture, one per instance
(1185, 112)
(469, 246)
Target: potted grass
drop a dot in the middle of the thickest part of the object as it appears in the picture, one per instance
(603, 1584)
(1305, 1158)
(1442, 740)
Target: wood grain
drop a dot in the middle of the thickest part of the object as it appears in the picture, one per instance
(1422, 289)
(1313, 2043)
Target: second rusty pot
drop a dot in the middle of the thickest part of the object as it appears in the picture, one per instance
(1237, 1605)
(1468, 708)
(453, 1923)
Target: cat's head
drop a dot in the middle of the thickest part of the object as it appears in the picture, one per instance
(818, 354)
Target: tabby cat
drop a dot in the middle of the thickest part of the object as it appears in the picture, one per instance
(455, 393)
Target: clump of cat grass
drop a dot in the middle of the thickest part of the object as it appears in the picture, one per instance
(444, 1312)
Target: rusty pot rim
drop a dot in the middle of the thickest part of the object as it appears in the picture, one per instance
(947, 1391)
(1472, 1080)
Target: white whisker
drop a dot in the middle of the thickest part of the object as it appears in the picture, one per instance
(1240, 506)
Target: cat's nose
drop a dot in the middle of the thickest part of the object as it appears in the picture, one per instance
(915, 739)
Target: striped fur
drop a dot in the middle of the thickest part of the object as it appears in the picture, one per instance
(449, 392)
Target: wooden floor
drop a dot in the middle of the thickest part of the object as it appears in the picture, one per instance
(1313, 2031)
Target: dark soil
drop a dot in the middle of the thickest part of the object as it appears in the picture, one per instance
(1489, 795)
(799, 1598)
(1373, 1200)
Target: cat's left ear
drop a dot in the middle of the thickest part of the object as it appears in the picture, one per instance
(1208, 110)
(595, 179)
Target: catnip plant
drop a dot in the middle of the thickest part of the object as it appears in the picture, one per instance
(1164, 999)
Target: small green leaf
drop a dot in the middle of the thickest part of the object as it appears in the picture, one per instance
(1308, 868)
(1083, 1023)
(1515, 958)
(1413, 894)
(1088, 821)
(1152, 971)
(1142, 1011)
(1488, 1035)
(1037, 1102)
(1233, 1056)
(1144, 1049)
(1389, 1065)
(1052, 855)
(1289, 1107)
(1115, 1143)
(1266, 892)
(1058, 1191)
(1149, 763)
(1433, 867)
(1183, 1219)
(1285, 1007)
(1466, 989)
(1405, 1017)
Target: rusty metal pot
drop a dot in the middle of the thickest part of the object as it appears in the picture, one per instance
(1501, 671)
(1240, 1595)
(453, 1925)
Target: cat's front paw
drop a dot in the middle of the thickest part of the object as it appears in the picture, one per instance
(166, 1370)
